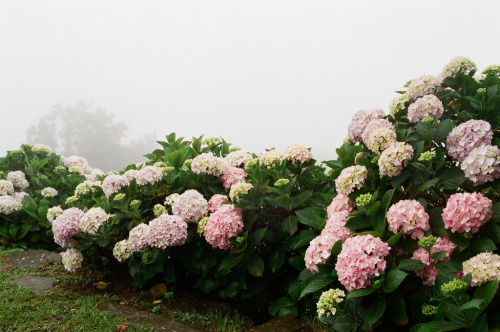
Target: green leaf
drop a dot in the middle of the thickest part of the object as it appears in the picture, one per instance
(442, 130)
(451, 178)
(230, 261)
(438, 255)
(486, 292)
(359, 222)
(475, 303)
(360, 292)
(393, 279)
(374, 312)
(303, 238)
(311, 216)
(373, 209)
(301, 198)
(290, 225)
(256, 266)
(258, 236)
(281, 306)
(482, 244)
(411, 264)
(396, 307)
(316, 282)
(277, 259)
(393, 240)
(437, 326)
(428, 184)
(436, 221)
(449, 266)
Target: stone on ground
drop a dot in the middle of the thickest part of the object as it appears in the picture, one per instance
(37, 284)
(31, 258)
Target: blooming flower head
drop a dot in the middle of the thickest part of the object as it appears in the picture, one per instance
(457, 65)
(410, 216)
(483, 267)
(72, 259)
(231, 176)
(148, 174)
(190, 206)
(9, 204)
(138, 238)
(113, 183)
(319, 251)
(271, 158)
(493, 70)
(167, 231)
(359, 122)
(398, 104)
(48, 192)
(482, 164)
(18, 179)
(426, 106)
(380, 139)
(340, 203)
(237, 158)
(239, 189)
(466, 212)
(41, 148)
(66, 225)
(216, 201)
(296, 153)
(394, 158)
(223, 224)
(361, 257)
(335, 226)
(6, 187)
(93, 219)
(466, 137)
(207, 163)
(350, 178)
(77, 161)
(328, 301)
(171, 199)
(76, 169)
(373, 126)
(131, 174)
(121, 251)
(86, 187)
(19, 196)
(53, 213)
(421, 86)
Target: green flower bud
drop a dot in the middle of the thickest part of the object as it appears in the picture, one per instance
(364, 200)
(429, 310)
(427, 119)
(135, 203)
(427, 242)
(453, 287)
(375, 159)
(427, 156)
(252, 163)
(201, 225)
(158, 210)
(234, 148)
(211, 140)
(281, 183)
(481, 91)
(71, 200)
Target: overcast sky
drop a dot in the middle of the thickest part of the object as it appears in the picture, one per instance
(261, 74)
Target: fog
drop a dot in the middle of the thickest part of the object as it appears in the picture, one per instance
(260, 74)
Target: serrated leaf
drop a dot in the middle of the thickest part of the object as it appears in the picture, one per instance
(411, 264)
(310, 216)
(256, 266)
(360, 292)
(393, 279)
(290, 225)
(472, 304)
(374, 312)
(438, 255)
(428, 184)
(316, 282)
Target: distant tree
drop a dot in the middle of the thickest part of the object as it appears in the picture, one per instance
(90, 132)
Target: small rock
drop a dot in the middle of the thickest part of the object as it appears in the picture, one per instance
(31, 258)
(37, 284)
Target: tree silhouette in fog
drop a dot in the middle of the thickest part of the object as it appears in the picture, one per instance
(90, 132)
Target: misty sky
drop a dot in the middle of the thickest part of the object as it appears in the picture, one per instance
(258, 73)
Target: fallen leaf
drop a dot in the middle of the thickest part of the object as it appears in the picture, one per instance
(158, 289)
(157, 302)
(121, 327)
(101, 284)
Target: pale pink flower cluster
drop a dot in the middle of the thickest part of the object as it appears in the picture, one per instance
(131, 174)
(48, 192)
(93, 219)
(223, 224)
(190, 206)
(296, 153)
(359, 122)
(232, 175)
(113, 183)
(466, 212)
(216, 201)
(483, 267)
(398, 104)
(429, 273)
(239, 189)
(350, 178)
(340, 203)
(394, 158)
(482, 164)
(381, 139)
(426, 106)
(6, 187)
(271, 158)
(41, 148)
(170, 200)
(53, 213)
(121, 251)
(72, 259)
(361, 257)
(18, 179)
(138, 238)
(148, 174)
(19, 196)
(66, 225)
(409, 215)
(335, 226)
(167, 231)
(457, 65)
(94, 174)
(466, 137)
(373, 126)
(9, 204)
(207, 163)
(237, 158)
(319, 251)
(421, 86)
(86, 187)
(77, 161)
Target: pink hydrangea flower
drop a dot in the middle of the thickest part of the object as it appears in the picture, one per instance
(18, 179)
(373, 126)
(148, 174)
(167, 231)
(190, 206)
(429, 273)
(237, 158)
(296, 153)
(421, 86)
(409, 215)
(466, 137)
(207, 163)
(457, 65)
(466, 212)
(394, 158)
(319, 251)
(340, 203)
(66, 225)
(335, 226)
(232, 175)
(361, 257)
(483, 267)
(380, 139)
(93, 219)
(359, 122)
(216, 201)
(138, 238)
(271, 158)
(350, 178)
(425, 106)
(113, 183)
(72, 259)
(223, 224)
(482, 164)
(77, 161)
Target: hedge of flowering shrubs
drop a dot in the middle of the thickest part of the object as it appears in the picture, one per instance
(401, 232)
